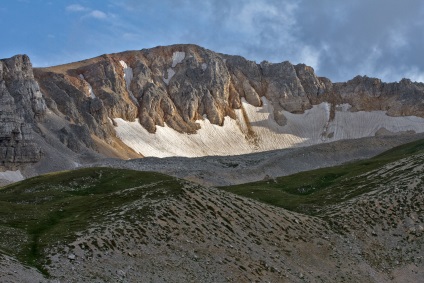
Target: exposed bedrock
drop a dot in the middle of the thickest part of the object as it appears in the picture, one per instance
(181, 84)
(21, 106)
(185, 87)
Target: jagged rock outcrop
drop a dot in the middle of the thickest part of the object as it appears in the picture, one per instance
(180, 84)
(21, 106)
(88, 96)
(181, 87)
(404, 98)
(186, 87)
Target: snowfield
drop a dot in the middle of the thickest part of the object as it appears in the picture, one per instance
(261, 132)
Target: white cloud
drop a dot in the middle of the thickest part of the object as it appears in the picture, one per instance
(131, 36)
(397, 39)
(98, 14)
(323, 34)
(369, 65)
(76, 8)
(250, 13)
(310, 56)
(415, 75)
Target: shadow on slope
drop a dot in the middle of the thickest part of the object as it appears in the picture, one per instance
(311, 191)
(52, 208)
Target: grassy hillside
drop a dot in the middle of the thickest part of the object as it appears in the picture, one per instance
(96, 223)
(51, 208)
(309, 192)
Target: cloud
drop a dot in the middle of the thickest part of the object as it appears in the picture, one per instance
(415, 74)
(89, 13)
(374, 38)
(339, 39)
(76, 8)
(98, 14)
(397, 39)
(310, 56)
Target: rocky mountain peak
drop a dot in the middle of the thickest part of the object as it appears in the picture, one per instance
(150, 98)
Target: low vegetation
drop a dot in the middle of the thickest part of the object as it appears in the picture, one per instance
(309, 192)
(52, 208)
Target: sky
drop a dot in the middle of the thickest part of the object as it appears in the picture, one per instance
(338, 38)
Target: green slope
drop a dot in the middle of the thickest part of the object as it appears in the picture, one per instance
(47, 209)
(308, 192)
(39, 212)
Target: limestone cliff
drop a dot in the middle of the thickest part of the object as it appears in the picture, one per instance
(180, 84)
(21, 106)
(189, 89)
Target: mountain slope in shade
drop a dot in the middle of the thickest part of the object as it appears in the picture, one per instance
(108, 225)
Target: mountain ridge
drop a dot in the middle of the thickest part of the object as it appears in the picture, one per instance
(184, 100)
(244, 122)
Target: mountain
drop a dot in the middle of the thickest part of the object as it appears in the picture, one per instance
(364, 224)
(227, 104)
(215, 120)
(22, 104)
(184, 100)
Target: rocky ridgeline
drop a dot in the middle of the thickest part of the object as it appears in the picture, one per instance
(21, 106)
(176, 85)
(180, 84)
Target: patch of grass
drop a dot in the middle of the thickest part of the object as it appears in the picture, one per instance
(308, 192)
(52, 208)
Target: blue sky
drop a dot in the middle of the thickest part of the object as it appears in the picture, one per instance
(340, 39)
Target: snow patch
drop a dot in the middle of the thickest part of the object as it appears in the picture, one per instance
(209, 140)
(177, 58)
(230, 139)
(327, 107)
(260, 132)
(204, 66)
(12, 176)
(343, 107)
(90, 89)
(128, 76)
(169, 76)
(38, 94)
(352, 125)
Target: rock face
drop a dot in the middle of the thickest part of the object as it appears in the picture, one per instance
(190, 90)
(398, 99)
(21, 106)
(180, 84)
